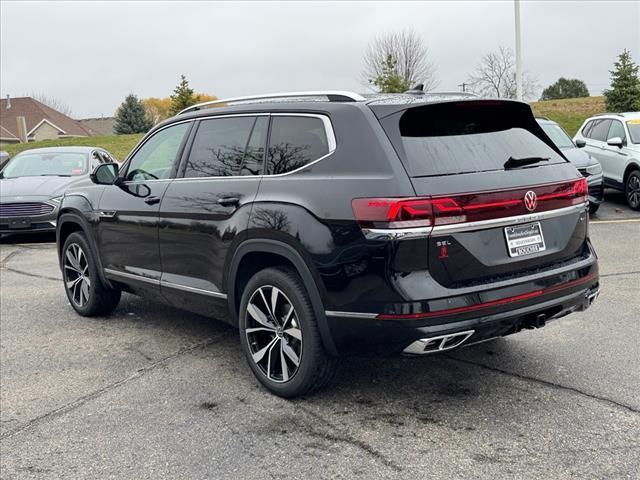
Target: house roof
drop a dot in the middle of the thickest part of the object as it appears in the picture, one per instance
(36, 113)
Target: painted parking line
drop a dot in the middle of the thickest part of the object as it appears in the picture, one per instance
(623, 220)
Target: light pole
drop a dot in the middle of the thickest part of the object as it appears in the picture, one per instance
(518, 52)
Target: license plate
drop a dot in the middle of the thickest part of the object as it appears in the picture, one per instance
(524, 239)
(19, 223)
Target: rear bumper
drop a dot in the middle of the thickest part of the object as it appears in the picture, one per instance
(490, 313)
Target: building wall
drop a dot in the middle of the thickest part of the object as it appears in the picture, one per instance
(45, 132)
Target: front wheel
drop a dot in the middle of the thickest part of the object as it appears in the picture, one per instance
(279, 334)
(86, 292)
(632, 189)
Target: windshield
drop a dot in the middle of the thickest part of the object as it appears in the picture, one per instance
(59, 164)
(558, 135)
(634, 130)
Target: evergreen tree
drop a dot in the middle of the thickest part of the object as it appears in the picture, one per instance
(624, 95)
(390, 81)
(131, 117)
(182, 97)
(565, 88)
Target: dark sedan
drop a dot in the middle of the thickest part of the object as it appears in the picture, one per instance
(33, 182)
(588, 166)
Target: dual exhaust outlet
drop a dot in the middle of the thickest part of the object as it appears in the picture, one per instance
(440, 343)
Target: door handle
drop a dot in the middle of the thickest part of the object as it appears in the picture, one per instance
(152, 200)
(229, 201)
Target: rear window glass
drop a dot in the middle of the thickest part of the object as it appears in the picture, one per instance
(449, 139)
(295, 142)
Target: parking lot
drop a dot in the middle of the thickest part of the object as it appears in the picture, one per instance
(154, 392)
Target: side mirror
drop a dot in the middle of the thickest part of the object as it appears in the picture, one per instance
(615, 142)
(105, 174)
(580, 142)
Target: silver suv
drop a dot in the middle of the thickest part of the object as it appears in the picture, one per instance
(614, 140)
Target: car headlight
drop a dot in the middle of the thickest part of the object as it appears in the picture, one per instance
(594, 169)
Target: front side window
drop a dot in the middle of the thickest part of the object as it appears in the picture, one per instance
(295, 142)
(586, 131)
(219, 146)
(155, 159)
(616, 130)
(600, 130)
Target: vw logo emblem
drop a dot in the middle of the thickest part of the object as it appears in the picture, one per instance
(530, 200)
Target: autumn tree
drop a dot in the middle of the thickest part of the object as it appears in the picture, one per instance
(624, 95)
(131, 117)
(565, 88)
(396, 61)
(495, 76)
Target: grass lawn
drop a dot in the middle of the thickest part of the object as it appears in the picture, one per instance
(570, 112)
(118, 145)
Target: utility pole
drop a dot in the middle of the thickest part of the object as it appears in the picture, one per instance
(464, 86)
(518, 52)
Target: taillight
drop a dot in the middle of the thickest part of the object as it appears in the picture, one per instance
(392, 212)
(415, 212)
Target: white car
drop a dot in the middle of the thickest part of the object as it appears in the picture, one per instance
(614, 140)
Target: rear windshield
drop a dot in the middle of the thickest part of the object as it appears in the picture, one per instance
(466, 137)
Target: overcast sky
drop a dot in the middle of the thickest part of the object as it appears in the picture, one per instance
(89, 55)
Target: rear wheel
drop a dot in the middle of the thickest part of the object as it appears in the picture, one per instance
(279, 334)
(86, 292)
(632, 189)
(593, 208)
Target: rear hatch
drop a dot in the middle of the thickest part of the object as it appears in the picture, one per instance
(504, 201)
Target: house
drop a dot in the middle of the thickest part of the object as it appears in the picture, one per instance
(42, 122)
(99, 126)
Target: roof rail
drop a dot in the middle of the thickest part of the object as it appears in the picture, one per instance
(332, 96)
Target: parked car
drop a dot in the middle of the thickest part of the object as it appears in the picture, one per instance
(588, 166)
(614, 140)
(32, 184)
(331, 223)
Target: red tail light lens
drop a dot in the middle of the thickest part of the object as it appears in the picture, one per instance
(392, 212)
(466, 207)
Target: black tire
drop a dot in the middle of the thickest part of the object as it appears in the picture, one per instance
(97, 299)
(593, 208)
(632, 189)
(315, 368)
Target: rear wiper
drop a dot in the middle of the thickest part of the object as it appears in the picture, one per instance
(521, 162)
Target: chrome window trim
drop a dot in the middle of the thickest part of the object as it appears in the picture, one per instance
(328, 129)
(441, 230)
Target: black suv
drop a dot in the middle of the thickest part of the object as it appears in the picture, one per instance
(326, 223)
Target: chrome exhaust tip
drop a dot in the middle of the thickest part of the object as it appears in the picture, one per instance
(438, 344)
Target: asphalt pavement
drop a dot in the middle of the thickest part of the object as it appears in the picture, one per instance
(153, 392)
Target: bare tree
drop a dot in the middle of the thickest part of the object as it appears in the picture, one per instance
(409, 57)
(52, 102)
(495, 76)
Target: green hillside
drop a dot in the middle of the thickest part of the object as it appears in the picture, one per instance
(570, 112)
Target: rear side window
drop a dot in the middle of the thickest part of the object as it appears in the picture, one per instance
(600, 130)
(219, 146)
(294, 142)
(456, 138)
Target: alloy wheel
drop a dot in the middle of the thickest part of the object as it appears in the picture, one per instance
(633, 191)
(76, 273)
(273, 333)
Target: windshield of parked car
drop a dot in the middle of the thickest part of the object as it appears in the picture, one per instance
(558, 135)
(634, 130)
(59, 164)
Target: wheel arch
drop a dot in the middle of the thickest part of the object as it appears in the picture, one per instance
(273, 253)
(630, 168)
(70, 221)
